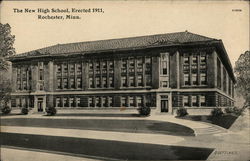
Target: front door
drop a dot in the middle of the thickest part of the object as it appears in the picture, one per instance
(40, 105)
(164, 105)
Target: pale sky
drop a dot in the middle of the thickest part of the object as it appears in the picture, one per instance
(228, 21)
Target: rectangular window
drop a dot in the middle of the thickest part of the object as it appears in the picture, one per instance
(79, 69)
(65, 83)
(132, 65)
(18, 84)
(124, 66)
(72, 83)
(97, 67)
(111, 81)
(71, 102)
(148, 80)
(194, 101)
(58, 102)
(131, 101)
(24, 84)
(98, 82)
(124, 81)
(164, 63)
(72, 69)
(98, 101)
(104, 67)
(185, 101)
(59, 83)
(59, 70)
(139, 101)
(91, 69)
(111, 66)
(203, 100)
(105, 102)
(148, 65)
(139, 65)
(124, 101)
(164, 83)
(186, 79)
(110, 101)
(91, 82)
(139, 80)
(91, 102)
(79, 82)
(194, 79)
(65, 102)
(65, 69)
(186, 60)
(18, 72)
(78, 102)
(164, 68)
(203, 77)
(131, 81)
(104, 82)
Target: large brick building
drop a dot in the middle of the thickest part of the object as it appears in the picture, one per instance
(164, 72)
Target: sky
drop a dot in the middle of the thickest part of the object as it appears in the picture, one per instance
(228, 21)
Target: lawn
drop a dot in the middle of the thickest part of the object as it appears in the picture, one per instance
(104, 148)
(135, 126)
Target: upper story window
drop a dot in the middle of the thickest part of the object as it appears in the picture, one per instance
(164, 63)
(110, 99)
(72, 83)
(139, 64)
(79, 82)
(111, 66)
(79, 69)
(203, 61)
(148, 65)
(97, 67)
(139, 80)
(185, 101)
(124, 101)
(40, 69)
(124, 66)
(124, 81)
(131, 65)
(203, 78)
(59, 83)
(139, 100)
(148, 80)
(131, 101)
(65, 83)
(131, 81)
(111, 81)
(104, 82)
(91, 82)
(194, 101)
(98, 82)
(59, 70)
(194, 79)
(186, 79)
(65, 69)
(72, 69)
(203, 100)
(104, 67)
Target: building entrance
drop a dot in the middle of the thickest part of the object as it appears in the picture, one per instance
(164, 103)
(40, 105)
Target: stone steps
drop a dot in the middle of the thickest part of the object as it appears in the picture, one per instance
(209, 130)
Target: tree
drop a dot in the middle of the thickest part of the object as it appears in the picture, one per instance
(6, 49)
(242, 72)
(6, 45)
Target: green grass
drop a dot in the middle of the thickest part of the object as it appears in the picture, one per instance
(135, 126)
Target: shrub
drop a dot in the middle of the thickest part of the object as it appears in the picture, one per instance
(6, 110)
(144, 111)
(233, 110)
(51, 111)
(181, 112)
(229, 110)
(25, 110)
(217, 112)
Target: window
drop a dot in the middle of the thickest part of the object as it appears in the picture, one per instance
(59, 83)
(131, 81)
(72, 83)
(58, 102)
(218, 74)
(111, 67)
(24, 85)
(65, 69)
(185, 101)
(104, 82)
(164, 62)
(65, 83)
(78, 102)
(59, 70)
(91, 68)
(41, 85)
(19, 85)
(131, 65)
(104, 67)
(91, 82)
(203, 100)
(124, 66)
(98, 101)
(111, 81)
(194, 101)
(203, 78)
(105, 101)
(202, 61)
(148, 65)
(72, 69)
(98, 82)
(139, 65)
(124, 81)
(18, 72)
(186, 79)
(164, 68)
(91, 102)
(164, 83)
(79, 82)
(124, 101)
(194, 79)
(139, 101)
(194, 62)
(110, 101)
(79, 69)
(148, 80)
(139, 80)
(71, 102)
(224, 80)
(186, 60)
(97, 67)
(131, 101)
(65, 102)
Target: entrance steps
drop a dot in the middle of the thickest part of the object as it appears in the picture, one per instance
(209, 130)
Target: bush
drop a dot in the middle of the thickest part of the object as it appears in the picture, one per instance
(144, 111)
(181, 112)
(25, 110)
(6, 110)
(217, 112)
(233, 110)
(51, 111)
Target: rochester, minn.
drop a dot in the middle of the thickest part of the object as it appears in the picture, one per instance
(58, 17)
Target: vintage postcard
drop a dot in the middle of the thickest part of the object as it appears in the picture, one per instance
(124, 80)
